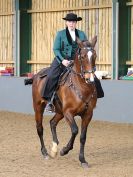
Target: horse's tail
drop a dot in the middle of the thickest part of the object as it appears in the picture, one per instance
(28, 81)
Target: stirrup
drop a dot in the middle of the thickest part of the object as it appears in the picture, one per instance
(50, 107)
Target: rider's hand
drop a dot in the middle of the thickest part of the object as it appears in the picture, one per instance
(65, 62)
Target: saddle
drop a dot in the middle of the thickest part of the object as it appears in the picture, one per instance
(63, 77)
(43, 73)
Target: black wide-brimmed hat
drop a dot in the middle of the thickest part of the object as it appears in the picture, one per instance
(72, 17)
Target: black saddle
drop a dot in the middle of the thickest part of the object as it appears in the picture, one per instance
(43, 73)
(63, 77)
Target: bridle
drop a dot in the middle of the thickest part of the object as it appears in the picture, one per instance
(81, 74)
(80, 58)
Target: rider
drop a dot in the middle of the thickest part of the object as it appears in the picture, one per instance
(64, 49)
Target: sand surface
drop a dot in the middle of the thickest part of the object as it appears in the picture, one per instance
(108, 150)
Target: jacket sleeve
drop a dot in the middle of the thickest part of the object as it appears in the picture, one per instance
(57, 47)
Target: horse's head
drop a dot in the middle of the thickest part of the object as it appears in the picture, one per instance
(87, 56)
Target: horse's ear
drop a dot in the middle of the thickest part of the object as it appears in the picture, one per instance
(93, 41)
(79, 42)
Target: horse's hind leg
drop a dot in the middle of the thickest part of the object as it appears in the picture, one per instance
(53, 123)
(39, 118)
(74, 130)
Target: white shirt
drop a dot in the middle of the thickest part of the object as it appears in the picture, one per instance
(72, 33)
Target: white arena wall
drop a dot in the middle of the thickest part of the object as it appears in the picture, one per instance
(116, 106)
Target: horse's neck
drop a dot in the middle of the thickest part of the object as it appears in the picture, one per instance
(77, 75)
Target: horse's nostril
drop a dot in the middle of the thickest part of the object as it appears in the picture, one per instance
(87, 80)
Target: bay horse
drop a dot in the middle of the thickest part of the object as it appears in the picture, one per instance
(77, 96)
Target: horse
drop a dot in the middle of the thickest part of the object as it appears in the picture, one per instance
(77, 96)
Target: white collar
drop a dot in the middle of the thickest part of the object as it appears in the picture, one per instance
(72, 33)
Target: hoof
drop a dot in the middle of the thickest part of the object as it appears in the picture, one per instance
(53, 154)
(62, 153)
(85, 165)
(45, 154)
(46, 157)
(65, 151)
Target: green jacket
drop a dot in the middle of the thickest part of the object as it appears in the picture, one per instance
(63, 44)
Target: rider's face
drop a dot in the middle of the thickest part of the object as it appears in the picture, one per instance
(71, 24)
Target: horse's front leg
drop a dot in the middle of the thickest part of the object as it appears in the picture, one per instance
(85, 121)
(53, 123)
(74, 129)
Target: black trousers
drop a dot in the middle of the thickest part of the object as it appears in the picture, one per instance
(53, 75)
(99, 89)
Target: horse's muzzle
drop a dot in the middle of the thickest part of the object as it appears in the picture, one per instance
(89, 77)
(88, 81)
